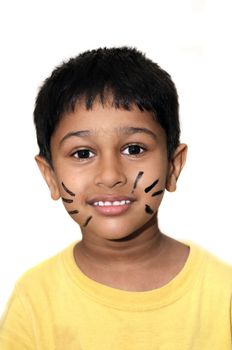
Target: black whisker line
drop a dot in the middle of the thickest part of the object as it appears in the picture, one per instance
(87, 221)
(140, 174)
(149, 188)
(157, 193)
(72, 212)
(66, 200)
(148, 209)
(67, 190)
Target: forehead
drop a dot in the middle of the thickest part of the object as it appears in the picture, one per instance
(106, 120)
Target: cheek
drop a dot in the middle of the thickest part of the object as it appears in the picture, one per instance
(148, 209)
(71, 198)
(149, 184)
(72, 186)
(68, 197)
(150, 190)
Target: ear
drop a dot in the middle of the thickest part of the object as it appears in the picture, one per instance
(49, 176)
(176, 164)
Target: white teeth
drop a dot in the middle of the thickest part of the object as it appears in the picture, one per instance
(107, 203)
(116, 203)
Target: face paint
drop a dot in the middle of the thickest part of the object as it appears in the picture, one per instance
(67, 190)
(157, 193)
(72, 212)
(149, 188)
(87, 221)
(148, 209)
(136, 180)
(66, 200)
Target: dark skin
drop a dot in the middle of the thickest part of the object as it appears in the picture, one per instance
(101, 152)
(151, 263)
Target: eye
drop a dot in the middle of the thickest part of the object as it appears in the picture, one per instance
(133, 150)
(83, 154)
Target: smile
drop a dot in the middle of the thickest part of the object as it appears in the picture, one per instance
(111, 204)
(114, 208)
(108, 204)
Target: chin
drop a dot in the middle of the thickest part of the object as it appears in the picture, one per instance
(116, 232)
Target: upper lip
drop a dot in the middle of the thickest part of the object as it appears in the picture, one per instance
(110, 198)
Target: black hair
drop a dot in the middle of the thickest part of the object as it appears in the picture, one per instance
(124, 74)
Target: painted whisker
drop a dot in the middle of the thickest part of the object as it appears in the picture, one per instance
(72, 212)
(66, 200)
(87, 221)
(157, 193)
(67, 190)
(149, 188)
(148, 209)
(140, 174)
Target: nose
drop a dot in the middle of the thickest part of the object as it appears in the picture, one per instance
(110, 172)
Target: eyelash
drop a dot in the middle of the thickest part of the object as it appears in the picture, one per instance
(144, 149)
(126, 147)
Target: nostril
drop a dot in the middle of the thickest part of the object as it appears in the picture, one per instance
(111, 184)
(110, 177)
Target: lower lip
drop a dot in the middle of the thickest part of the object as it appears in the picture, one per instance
(112, 210)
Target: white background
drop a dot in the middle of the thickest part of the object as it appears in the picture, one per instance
(190, 39)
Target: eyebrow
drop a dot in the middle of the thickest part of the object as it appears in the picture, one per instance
(128, 130)
(81, 133)
(132, 130)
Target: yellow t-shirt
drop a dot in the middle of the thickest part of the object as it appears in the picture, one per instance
(56, 307)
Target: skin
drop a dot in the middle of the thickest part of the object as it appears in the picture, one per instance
(126, 251)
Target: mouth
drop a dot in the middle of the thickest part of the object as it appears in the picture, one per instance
(111, 205)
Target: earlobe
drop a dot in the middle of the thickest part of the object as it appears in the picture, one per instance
(176, 165)
(171, 183)
(49, 176)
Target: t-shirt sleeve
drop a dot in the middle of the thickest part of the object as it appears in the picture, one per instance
(231, 314)
(15, 326)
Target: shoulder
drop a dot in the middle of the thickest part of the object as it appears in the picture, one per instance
(215, 271)
(219, 269)
(48, 272)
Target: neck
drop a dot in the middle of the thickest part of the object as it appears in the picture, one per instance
(137, 249)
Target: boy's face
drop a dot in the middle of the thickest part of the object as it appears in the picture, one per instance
(110, 168)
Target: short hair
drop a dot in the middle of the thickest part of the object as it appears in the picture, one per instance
(125, 74)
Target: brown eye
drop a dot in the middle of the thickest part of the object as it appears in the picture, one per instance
(83, 154)
(133, 150)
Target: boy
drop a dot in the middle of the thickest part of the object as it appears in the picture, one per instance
(108, 133)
